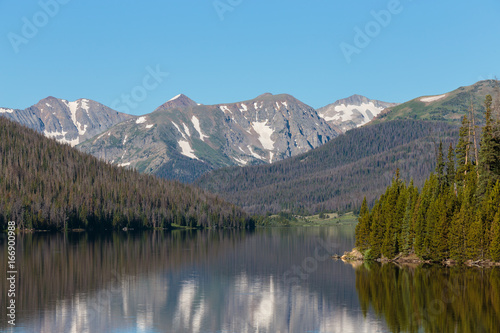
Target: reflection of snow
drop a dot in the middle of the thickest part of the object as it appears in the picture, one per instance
(185, 304)
(239, 303)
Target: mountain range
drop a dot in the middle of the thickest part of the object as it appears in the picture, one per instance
(183, 139)
(67, 122)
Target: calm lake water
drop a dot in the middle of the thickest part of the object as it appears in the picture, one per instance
(268, 280)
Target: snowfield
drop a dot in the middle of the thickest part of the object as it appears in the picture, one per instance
(432, 98)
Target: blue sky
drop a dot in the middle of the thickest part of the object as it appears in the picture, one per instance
(231, 50)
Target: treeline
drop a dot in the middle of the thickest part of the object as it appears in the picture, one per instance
(47, 185)
(337, 175)
(455, 216)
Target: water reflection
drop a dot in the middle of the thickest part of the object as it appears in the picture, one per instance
(203, 281)
(431, 298)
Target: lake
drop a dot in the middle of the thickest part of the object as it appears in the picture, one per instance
(267, 280)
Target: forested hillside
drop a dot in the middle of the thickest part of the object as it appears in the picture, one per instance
(337, 175)
(47, 185)
(456, 214)
(450, 106)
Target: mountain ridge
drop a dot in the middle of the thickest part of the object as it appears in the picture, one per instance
(65, 121)
(448, 106)
(182, 139)
(353, 111)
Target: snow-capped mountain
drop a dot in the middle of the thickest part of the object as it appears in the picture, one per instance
(352, 112)
(182, 139)
(65, 121)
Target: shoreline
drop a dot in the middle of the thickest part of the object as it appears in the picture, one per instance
(412, 259)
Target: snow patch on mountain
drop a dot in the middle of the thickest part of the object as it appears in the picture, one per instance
(186, 130)
(254, 154)
(264, 131)
(432, 98)
(140, 120)
(178, 129)
(124, 164)
(73, 108)
(240, 161)
(196, 124)
(347, 112)
(2, 110)
(243, 108)
(85, 105)
(125, 140)
(186, 149)
(54, 134)
(225, 109)
(149, 126)
(175, 97)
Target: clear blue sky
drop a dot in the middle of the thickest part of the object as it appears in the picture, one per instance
(101, 49)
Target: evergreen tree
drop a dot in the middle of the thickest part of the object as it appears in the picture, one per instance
(440, 166)
(495, 238)
(489, 155)
(463, 151)
(377, 229)
(363, 228)
(450, 168)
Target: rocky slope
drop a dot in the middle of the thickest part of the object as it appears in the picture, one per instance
(67, 122)
(352, 112)
(182, 139)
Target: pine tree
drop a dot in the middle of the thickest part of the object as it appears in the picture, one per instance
(407, 232)
(495, 238)
(440, 166)
(489, 155)
(377, 229)
(363, 228)
(463, 151)
(450, 168)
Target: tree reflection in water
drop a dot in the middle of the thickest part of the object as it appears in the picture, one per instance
(431, 298)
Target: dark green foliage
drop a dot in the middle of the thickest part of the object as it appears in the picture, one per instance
(337, 175)
(46, 185)
(489, 157)
(450, 167)
(363, 228)
(455, 215)
(495, 238)
(463, 154)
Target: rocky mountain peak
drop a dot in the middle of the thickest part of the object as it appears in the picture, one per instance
(68, 122)
(179, 101)
(264, 95)
(353, 111)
